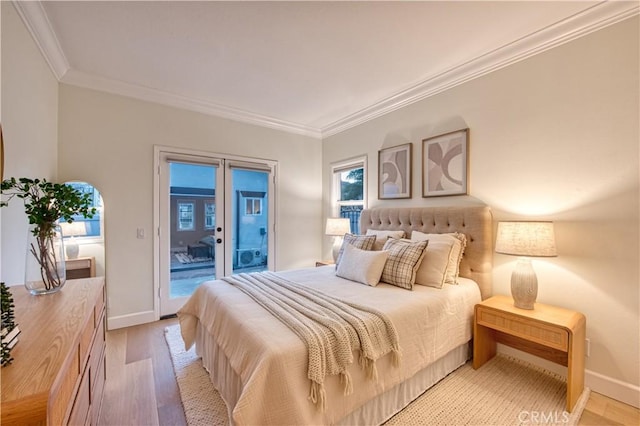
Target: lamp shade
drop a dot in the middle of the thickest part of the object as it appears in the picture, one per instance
(73, 229)
(526, 239)
(338, 226)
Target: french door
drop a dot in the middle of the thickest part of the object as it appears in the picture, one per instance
(215, 218)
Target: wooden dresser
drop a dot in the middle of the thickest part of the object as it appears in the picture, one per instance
(58, 373)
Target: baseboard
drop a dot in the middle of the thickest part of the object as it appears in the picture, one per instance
(613, 388)
(130, 320)
(605, 385)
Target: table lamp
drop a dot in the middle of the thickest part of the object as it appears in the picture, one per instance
(525, 239)
(72, 230)
(337, 227)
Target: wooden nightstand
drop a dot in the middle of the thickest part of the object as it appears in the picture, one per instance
(81, 267)
(549, 332)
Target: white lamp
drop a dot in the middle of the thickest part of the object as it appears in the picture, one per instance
(73, 229)
(337, 227)
(525, 239)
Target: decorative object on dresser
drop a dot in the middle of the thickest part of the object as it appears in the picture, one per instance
(72, 230)
(8, 328)
(525, 239)
(45, 203)
(337, 227)
(394, 172)
(58, 374)
(552, 333)
(444, 164)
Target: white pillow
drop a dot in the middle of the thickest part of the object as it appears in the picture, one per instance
(459, 242)
(433, 269)
(383, 236)
(362, 266)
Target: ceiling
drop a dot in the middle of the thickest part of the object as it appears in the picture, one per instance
(313, 68)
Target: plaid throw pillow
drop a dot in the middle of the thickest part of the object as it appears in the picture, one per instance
(403, 262)
(364, 242)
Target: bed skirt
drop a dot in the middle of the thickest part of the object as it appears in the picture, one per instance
(374, 412)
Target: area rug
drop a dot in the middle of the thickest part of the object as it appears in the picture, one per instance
(505, 391)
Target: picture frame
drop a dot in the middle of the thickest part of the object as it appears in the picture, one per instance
(394, 172)
(444, 164)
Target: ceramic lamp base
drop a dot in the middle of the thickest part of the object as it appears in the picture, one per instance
(524, 285)
(337, 244)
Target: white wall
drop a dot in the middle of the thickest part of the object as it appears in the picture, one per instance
(553, 137)
(29, 126)
(108, 140)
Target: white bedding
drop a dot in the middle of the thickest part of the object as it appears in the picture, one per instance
(260, 366)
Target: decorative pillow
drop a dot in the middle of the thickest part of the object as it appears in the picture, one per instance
(459, 242)
(383, 236)
(433, 268)
(361, 265)
(364, 242)
(403, 262)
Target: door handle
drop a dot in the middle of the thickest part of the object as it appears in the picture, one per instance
(218, 229)
(219, 241)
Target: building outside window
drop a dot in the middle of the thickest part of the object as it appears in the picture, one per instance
(253, 206)
(186, 218)
(209, 215)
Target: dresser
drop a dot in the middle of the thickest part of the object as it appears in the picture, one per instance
(58, 373)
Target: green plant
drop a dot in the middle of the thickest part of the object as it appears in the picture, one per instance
(46, 203)
(7, 322)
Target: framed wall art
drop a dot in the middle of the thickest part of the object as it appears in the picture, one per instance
(394, 172)
(444, 164)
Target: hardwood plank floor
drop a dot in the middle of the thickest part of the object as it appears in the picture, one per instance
(141, 388)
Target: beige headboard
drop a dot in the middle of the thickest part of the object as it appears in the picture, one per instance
(474, 221)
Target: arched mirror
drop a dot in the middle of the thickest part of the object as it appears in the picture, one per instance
(84, 238)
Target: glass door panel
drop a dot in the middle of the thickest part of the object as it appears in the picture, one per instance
(193, 228)
(249, 220)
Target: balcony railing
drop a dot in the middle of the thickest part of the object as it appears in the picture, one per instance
(353, 214)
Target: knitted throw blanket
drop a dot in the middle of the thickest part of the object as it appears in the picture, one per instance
(330, 328)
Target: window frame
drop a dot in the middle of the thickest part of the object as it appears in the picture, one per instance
(336, 188)
(193, 215)
(252, 200)
(207, 214)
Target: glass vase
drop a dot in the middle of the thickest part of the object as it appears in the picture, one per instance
(45, 271)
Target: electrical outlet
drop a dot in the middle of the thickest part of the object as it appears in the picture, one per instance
(587, 349)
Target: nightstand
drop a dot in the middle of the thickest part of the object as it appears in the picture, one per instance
(324, 262)
(549, 332)
(80, 267)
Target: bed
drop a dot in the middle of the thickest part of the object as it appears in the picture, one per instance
(259, 365)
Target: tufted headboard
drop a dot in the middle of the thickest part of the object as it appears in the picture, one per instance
(474, 222)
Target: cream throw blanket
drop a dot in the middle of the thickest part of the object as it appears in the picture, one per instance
(330, 328)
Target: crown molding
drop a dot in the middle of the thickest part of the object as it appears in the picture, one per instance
(37, 22)
(135, 91)
(593, 19)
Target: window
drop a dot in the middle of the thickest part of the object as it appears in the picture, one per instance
(349, 190)
(253, 206)
(209, 215)
(91, 232)
(186, 220)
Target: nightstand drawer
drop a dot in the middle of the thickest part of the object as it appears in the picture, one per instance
(532, 330)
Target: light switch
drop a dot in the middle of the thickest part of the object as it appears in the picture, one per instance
(140, 233)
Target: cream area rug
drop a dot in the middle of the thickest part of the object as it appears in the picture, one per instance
(505, 391)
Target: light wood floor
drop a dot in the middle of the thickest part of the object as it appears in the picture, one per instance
(141, 388)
